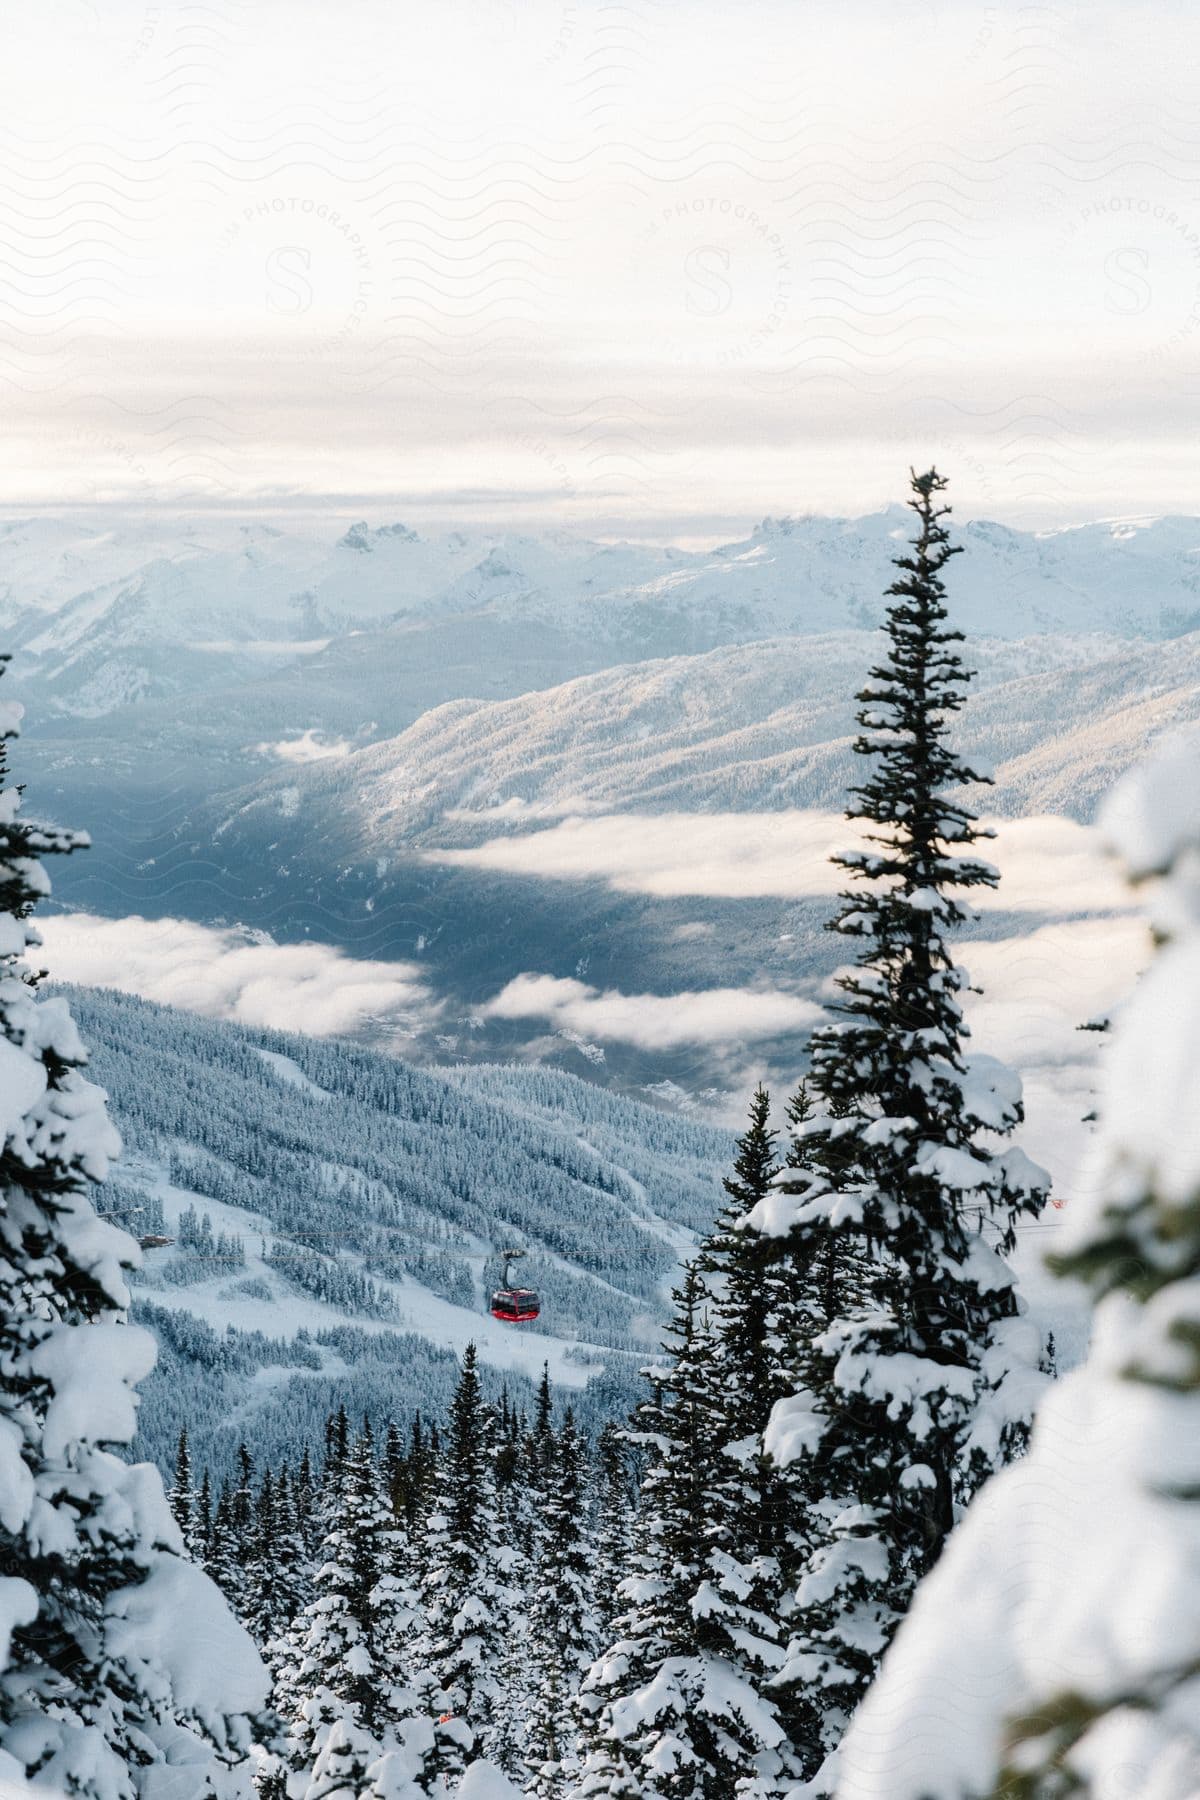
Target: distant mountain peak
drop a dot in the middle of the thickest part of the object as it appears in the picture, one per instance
(365, 537)
(494, 568)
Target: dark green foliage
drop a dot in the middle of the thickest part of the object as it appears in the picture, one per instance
(901, 1211)
(694, 1633)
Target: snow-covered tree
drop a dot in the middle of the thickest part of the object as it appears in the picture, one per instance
(677, 1704)
(304, 1501)
(242, 1521)
(277, 1572)
(467, 1603)
(339, 1682)
(118, 1658)
(202, 1527)
(918, 1388)
(337, 1450)
(829, 1272)
(416, 1477)
(561, 1614)
(181, 1495)
(744, 1277)
(226, 1547)
(763, 1311)
(1055, 1651)
(518, 1473)
(613, 1528)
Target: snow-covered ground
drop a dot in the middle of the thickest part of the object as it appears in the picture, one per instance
(338, 1220)
(220, 1303)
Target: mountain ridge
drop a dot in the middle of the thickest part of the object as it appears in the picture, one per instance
(123, 617)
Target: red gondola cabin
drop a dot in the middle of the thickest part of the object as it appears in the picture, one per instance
(515, 1306)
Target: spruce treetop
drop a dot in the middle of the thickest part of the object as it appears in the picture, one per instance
(893, 1058)
(904, 720)
(921, 1375)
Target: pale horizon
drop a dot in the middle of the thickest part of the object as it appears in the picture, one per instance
(625, 269)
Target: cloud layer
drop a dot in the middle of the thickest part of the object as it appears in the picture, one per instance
(783, 281)
(309, 746)
(653, 1021)
(1047, 864)
(228, 974)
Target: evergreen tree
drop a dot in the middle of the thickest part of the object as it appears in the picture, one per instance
(542, 1439)
(916, 1389)
(201, 1540)
(421, 1479)
(678, 1704)
(562, 1616)
(467, 1603)
(99, 1686)
(291, 1590)
(1063, 1621)
(412, 1732)
(519, 1473)
(760, 1303)
(829, 1272)
(181, 1495)
(226, 1551)
(395, 1468)
(337, 1684)
(241, 1504)
(529, 1491)
(764, 1305)
(509, 1470)
(742, 1274)
(277, 1574)
(304, 1502)
(337, 1449)
(815, 1275)
(614, 1517)
(512, 1464)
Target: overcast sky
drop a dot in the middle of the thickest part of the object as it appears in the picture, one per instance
(658, 267)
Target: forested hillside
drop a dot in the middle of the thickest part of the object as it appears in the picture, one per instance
(318, 1188)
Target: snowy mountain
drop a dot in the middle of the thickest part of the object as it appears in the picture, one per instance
(410, 781)
(746, 728)
(167, 666)
(135, 611)
(546, 839)
(336, 1218)
(750, 727)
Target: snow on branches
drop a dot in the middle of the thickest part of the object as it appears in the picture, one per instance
(920, 1378)
(1056, 1649)
(119, 1660)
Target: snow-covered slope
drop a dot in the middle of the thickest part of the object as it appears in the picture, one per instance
(355, 1207)
(751, 727)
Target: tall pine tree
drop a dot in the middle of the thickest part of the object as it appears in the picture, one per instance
(561, 1614)
(613, 1510)
(341, 1682)
(181, 1495)
(913, 1392)
(1054, 1653)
